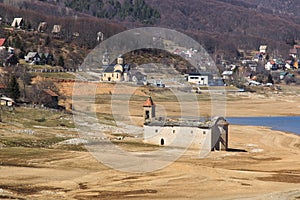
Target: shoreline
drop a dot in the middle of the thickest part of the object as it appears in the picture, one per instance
(261, 164)
(288, 122)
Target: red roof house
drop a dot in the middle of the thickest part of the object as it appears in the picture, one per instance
(2, 41)
(148, 102)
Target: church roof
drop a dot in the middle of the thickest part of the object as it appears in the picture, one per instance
(148, 102)
(109, 68)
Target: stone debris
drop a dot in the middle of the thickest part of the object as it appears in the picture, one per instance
(74, 141)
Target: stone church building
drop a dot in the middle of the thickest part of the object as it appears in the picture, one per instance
(201, 135)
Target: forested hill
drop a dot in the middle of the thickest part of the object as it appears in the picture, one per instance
(129, 10)
(227, 24)
(78, 35)
(222, 26)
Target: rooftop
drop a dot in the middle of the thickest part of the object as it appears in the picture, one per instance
(109, 68)
(180, 123)
(148, 102)
(2, 41)
(51, 93)
(202, 73)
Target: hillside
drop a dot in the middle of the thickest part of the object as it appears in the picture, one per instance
(77, 37)
(229, 23)
(137, 11)
(221, 26)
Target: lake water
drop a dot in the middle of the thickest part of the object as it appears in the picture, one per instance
(286, 124)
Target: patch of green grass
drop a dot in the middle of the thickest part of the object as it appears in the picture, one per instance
(30, 117)
(56, 75)
(72, 147)
(103, 99)
(105, 118)
(22, 157)
(33, 142)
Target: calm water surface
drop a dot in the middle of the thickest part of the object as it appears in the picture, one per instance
(287, 124)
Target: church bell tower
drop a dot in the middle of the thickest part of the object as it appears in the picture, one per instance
(149, 110)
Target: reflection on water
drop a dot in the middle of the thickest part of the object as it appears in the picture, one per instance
(287, 124)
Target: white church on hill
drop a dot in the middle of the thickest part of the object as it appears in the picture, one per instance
(209, 135)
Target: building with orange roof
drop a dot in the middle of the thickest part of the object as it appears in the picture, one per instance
(2, 41)
(149, 109)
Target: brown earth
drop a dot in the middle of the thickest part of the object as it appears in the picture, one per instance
(261, 164)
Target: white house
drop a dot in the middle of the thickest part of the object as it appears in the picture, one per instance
(202, 78)
(56, 29)
(5, 101)
(263, 49)
(17, 22)
(268, 66)
(33, 57)
(227, 75)
(42, 27)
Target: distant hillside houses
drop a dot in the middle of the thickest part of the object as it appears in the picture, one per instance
(42, 27)
(36, 58)
(8, 57)
(185, 53)
(2, 41)
(56, 29)
(17, 23)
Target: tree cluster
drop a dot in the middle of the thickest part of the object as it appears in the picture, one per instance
(138, 10)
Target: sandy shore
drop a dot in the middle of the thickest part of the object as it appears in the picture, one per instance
(262, 164)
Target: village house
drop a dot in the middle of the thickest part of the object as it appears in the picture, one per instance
(138, 77)
(200, 78)
(293, 52)
(2, 42)
(11, 50)
(75, 35)
(33, 57)
(227, 75)
(263, 49)
(5, 101)
(56, 30)
(100, 36)
(253, 67)
(185, 53)
(49, 98)
(271, 65)
(42, 27)
(200, 135)
(17, 23)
